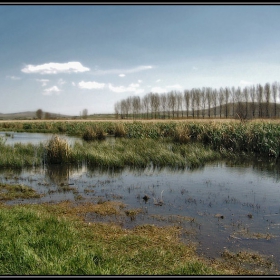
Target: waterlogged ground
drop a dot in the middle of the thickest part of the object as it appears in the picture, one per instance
(221, 206)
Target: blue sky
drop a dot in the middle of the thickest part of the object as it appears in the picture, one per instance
(66, 58)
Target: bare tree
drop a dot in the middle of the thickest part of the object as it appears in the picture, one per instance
(215, 101)
(163, 104)
(124, 109)
(238, 95)
(136, 106)
(209, 100)
(171, 102)
(85, 114)
(233, 98)
(227, 94)
(146, 105)
(246, 97)
(253, 99)
(274, 94)
(197, 101)
(187, 97)
(155, 103)
(260, 99)
(117, 108)
(221, 100)
(193, 93)
(179, 101)
(267, 94)
(39, 114)
(203, 101)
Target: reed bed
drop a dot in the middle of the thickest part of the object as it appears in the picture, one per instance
(143, 143)
(57, 150)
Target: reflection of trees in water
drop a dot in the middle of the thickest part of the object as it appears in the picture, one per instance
(267, 166)
(12, 171)
(96, 170)
(59, 173)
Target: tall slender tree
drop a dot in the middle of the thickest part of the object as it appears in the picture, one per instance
(187, 97)
(267, 94)
(274, 94)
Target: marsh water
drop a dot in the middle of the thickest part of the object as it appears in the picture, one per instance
(222, 205)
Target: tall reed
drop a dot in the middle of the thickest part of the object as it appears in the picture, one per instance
(57, 150)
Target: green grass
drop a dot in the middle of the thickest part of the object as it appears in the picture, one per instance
(142, 153)
(54, 239)
(21, 155)
(122, 153)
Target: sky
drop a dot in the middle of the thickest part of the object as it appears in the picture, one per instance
(64, 58)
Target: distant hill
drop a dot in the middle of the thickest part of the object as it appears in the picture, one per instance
(29, 115)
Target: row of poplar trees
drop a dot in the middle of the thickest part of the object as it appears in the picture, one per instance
(255, 101)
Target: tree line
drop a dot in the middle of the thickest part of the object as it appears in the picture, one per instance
(255, 101)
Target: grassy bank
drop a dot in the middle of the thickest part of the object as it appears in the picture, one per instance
(119, 154)
(55, 239)
(259, 137)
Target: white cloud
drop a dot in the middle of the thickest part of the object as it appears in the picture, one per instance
(43, 81)
(50, 91)
(73, 84)
(91, 85)
(117, 89)
(157, 81)
(13, 77)
(139, 81)
(245, 83)
(130, 88)
(124, 71)
(54, 68)
(122, 75)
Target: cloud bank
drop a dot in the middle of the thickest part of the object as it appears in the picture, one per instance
(55, 68)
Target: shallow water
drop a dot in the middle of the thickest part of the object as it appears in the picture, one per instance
(220, 206)
(11, 137)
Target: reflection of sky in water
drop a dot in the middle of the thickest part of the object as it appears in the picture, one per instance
(33, 138)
